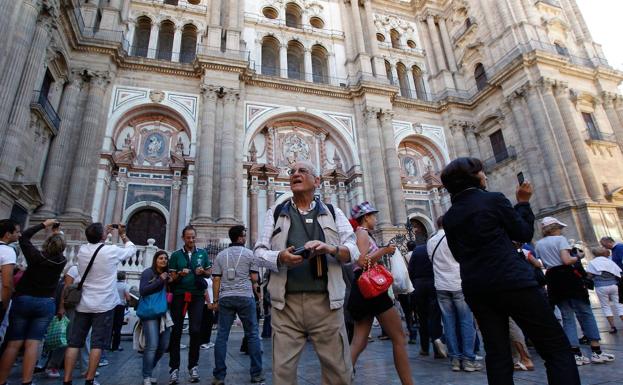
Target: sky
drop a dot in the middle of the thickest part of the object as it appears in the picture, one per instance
(604, 21)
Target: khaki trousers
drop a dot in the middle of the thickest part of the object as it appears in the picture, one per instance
(310, 314)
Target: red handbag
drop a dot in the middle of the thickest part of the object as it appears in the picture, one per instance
(374, 281)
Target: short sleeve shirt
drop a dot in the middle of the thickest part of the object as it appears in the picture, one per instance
(243, 262)
(180, 260)
(548, 249)
(7, 256)
(122, 289)
(73, 273)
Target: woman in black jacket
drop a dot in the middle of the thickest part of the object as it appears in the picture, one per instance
(481, 227)
(33, 305)
(154, 280)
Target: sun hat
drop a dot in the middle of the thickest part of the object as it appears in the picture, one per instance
(550, 221)
(362, 209)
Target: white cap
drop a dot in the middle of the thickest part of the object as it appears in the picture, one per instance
(550, 221)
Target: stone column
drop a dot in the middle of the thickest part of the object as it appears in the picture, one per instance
(525, 133)
(459, 140)
(309, 73)
(131, 31)
(177, 44)
(608, 104)
(411, 82)
(122, 187)
(253, 217)
(205, 158)
(545, 138)
(11, 73)
(10, 158)
(564, 144)
(447, 45)
(578, 145)
(395, 80)
(341, 200)
(258, 56)
(214, 29)
(434, 36)
(88, 152)
(376, 162)
(61, 151)
(175, 212)
(283, 60)
(367, 5)
(333, 80)
(153, 41)
(472, 142)
(270, 194)
(10, 13)
(359, 36)
(392, 168)
(228, 171)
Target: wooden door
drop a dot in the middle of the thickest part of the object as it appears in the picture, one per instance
(147, 224)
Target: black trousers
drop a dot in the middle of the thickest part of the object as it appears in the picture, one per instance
(206, 325)
(428, 313)
(117, 324)
(407, 308)
(195, 314)
(531, 311)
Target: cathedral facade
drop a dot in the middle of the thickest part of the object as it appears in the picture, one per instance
(160, 113)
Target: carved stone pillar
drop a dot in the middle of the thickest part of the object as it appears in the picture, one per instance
(283, 60)
(153, 41)
(61, 151)
(341, 199)
(472, 142)
(270, 145)
(175, 212)
(376, 162)
(253, 219)
(205, 159)
(447, 45)
(392, 168)
(122, 187)
(323, 151)
(309, 72)
(228, 171)
(359, 36)
(459, 140)
(564, 144)
(577, 144)
(131, 32)
(546, 141)
(617, 126)
(270, 193)
(412, 89)
(177, 44)
(434, 35)
(86, 158)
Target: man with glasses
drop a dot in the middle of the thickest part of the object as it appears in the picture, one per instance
(233, 295)
(304, 242)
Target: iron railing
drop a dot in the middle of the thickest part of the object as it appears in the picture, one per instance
(41, 103)
(599, 135)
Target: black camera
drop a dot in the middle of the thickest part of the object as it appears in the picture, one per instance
(302, 251)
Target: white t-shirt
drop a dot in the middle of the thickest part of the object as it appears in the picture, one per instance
(73, 273)
(548, 249)
(446, 269)
(99, 291)
(7, 257)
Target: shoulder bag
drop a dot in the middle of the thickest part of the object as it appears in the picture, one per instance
(73, 293)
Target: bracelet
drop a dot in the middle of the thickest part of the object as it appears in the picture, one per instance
(337, 250)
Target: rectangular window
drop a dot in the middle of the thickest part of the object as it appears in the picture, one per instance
(500, 152)
(591, 127)
(48, 79)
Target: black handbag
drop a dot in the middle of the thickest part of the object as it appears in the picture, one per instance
(73, 293)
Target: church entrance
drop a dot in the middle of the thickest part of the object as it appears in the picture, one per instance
(145, 224)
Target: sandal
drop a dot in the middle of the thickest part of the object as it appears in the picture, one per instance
(520, 366)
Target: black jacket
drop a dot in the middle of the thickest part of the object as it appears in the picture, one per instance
(420, 267)
(480, 227)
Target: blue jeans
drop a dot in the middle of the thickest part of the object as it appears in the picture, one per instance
(245, 308)
(572, 308)
(456, 315)
(156, 344)
(29, 318)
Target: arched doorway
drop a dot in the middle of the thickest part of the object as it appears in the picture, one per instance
(145, 224)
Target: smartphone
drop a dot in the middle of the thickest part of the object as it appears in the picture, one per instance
(302, 251)
(520, 178)
(172, 271)
(115, 226)
(56, 225)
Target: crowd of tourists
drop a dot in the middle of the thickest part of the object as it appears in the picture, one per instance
(327, 280)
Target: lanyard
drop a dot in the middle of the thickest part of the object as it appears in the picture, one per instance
(237, 262)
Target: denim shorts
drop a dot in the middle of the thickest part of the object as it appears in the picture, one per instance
(29, 317)
(101, 333)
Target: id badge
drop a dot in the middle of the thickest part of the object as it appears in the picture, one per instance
(231, 273)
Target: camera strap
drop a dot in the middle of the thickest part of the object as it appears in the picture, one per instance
(238, 261)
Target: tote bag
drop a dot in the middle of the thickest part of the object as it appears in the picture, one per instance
(152, 306)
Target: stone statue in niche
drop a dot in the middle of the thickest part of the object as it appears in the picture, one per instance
(127, 142)
(410, 167)
(295, 148)
(179, 147)
(154, 146)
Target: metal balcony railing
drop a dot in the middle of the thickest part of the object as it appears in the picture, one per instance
(41, 103)
(591, 135)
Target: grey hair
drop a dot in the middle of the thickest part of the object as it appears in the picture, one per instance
(309, 165)
(600, 251)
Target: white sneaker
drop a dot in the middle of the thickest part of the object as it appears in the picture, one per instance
(479, 358)
(103, 362)
(441, 348)
(207, 346)
(147, 381)
(194, 374)
(153, 380)
(174, 377)
(581, 359)
(471, 366)
(455, 365)
(601, 358)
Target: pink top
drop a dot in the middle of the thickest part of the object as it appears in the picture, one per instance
(373, 246)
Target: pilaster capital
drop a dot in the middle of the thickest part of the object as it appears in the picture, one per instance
(232, 95)
(122, 183)
(561, 88)
(609, 98)
(208, 92)
(546, 84)
(386, 116)
(371, 113)
(75, 78)
(470, 129)
(456, 126)
(177, 184)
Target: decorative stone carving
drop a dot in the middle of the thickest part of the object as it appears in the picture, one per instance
(156, 96)
(295, 148)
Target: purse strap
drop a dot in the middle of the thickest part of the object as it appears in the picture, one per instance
(432, 257)
(86, 272)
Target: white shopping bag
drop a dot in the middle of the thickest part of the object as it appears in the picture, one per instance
(402, 284)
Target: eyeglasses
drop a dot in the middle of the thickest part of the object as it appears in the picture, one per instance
(300, 170)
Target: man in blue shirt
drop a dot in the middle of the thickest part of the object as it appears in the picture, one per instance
(616, 250)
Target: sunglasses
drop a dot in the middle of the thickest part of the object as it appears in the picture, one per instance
(300, 170)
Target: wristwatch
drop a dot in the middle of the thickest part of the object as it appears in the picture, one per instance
(337, 250)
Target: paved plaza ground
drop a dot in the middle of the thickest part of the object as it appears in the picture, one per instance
(374, 368)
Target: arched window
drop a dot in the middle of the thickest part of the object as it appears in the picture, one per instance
(270, 56)
(189, 44)
(388, 72)
(395, 36)
(320, 58)
(165, 40)
(403, 81)
(294, 16)
(561, 49)
(418, 79)
(141, 36)
(481, 76)
(296, 61)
